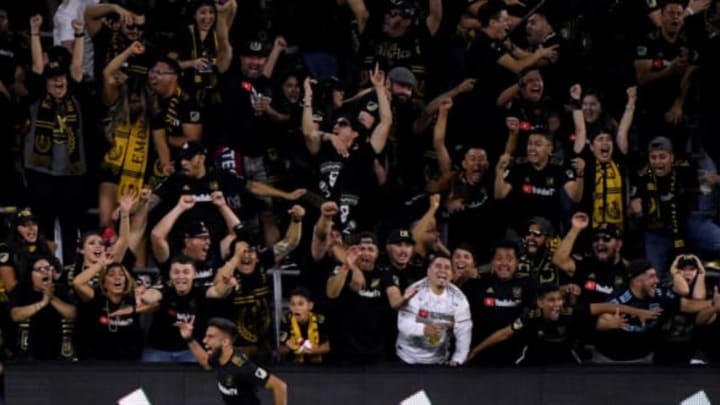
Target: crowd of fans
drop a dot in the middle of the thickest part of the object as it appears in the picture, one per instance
(458, 182)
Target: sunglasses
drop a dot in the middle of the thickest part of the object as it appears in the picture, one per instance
(604, 238)
(342, 123)
(162, 72)
(535, 233)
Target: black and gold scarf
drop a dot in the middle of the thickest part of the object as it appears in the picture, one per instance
(129, 155)
(56, 123)
(313, 335)
(607, 196)
(655, 212)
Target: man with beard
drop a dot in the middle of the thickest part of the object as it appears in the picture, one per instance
(606, 182)
(249, 303)
(470, 200)
(200, 183)
(664, 65)
(550, 332)
(176, 119)
(498, 298)
(636, 342)
(665, 197)
(113, 29)
(534, 184)
(603, 274)
(399, 263)
(435, 319)
(363, 293)
(396, 41)
(536, 261)
(238, 377)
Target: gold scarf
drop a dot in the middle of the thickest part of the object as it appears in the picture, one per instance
(313, 337)
(130, 154)
(56, 123)
(653, 208)
(607, 196)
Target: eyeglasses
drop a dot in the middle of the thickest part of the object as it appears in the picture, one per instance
(43, 269)
(602, 237)
(342, 123)
(535, 233)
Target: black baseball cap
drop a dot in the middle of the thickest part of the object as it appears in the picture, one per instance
(405, 8)
(608, 229)
(363, 237)
(189, 149)
(196, 228)
(253, 47)
(399, 236)
(24, 216)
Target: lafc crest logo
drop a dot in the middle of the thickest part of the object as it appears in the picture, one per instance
(261, 373)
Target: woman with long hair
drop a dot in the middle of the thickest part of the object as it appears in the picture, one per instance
(112, 323)
(131, 162)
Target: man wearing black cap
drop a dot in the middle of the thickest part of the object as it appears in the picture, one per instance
(238, 377)
(603, 274)
(396, 40)
(399, 263)
(54, 147)
(206, 189)
(346, 158)
(665, 197)
(535, 183)
(536, 262)
(362, 292)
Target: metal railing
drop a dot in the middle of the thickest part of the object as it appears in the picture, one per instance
(277, 275)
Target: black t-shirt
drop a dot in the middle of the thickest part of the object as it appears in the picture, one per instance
(495, 304)
(599, 281)
(660, 195)
(174, 111)
(189, 46)
(344, 180)
(232, 186)
(41, 337)
(552, 341)
(239, 378)
(243, 130)
(409, 50)
(163, 334)
(537, 192)
(540, 267)
(637, 340)
(112, 338)
(480, 208)
(661, 93)
(403, 278)
(482, 63)
(364, 314)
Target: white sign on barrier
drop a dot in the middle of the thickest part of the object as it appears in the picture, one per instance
(136, 397)
(419, 398)
(698, 398)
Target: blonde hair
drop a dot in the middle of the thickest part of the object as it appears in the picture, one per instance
(129, 280)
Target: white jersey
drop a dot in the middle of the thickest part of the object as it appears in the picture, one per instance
(449, 310)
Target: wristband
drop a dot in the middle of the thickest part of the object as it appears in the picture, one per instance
(576, 104)
(35, 33)
(296, 220)
(80, 35)
(189, 340)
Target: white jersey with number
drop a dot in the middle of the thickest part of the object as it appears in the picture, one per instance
(449, 310)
